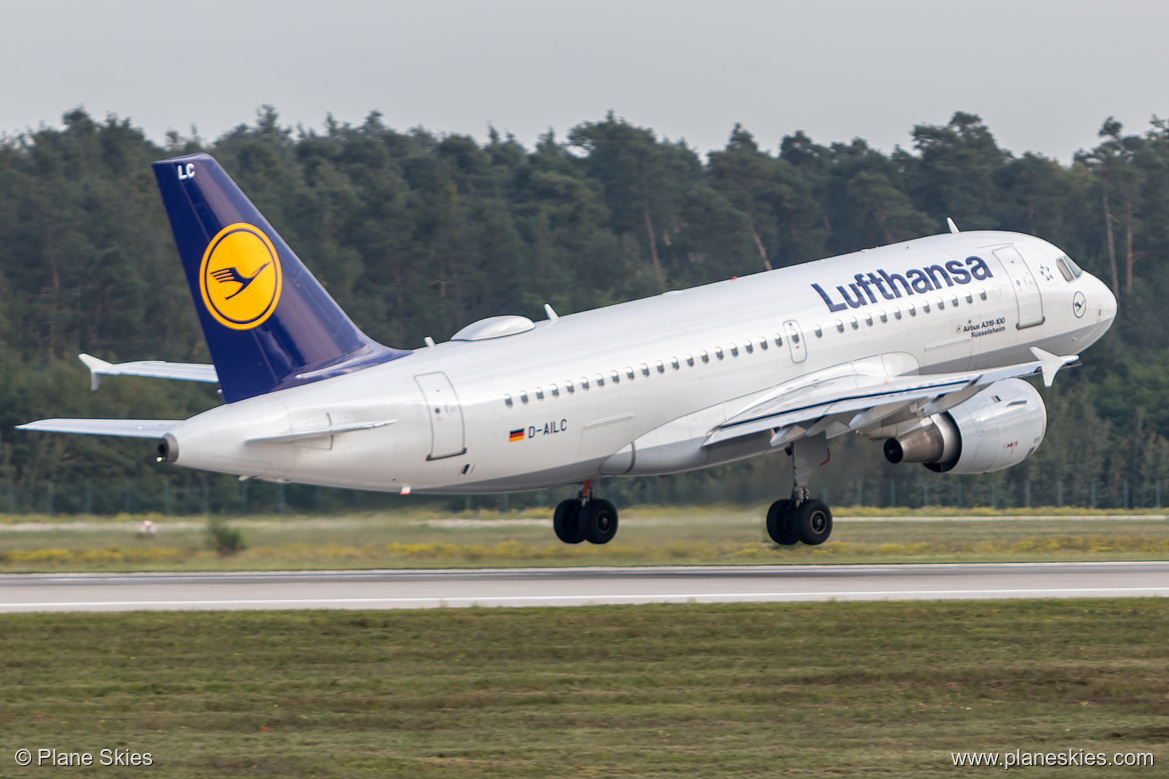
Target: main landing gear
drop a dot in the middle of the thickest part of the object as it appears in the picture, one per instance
(585, 519)
(802, 518)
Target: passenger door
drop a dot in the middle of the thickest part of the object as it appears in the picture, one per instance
(1026, 288)
(446, 416)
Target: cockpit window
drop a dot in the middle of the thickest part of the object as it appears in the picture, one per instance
(1068, 268)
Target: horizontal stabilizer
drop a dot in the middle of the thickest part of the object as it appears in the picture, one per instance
(155, 369)
(128, 428)
(317, 432)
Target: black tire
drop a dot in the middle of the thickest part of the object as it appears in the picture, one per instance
(780, 526)
(813, 522)
(598, 518)
(566, 521)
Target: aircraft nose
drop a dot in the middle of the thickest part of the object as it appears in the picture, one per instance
(1108, 302)
(1101, 304)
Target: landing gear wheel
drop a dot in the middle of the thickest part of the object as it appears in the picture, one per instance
(813, 522)
(780, 524)
(598, 519)
(566, 521)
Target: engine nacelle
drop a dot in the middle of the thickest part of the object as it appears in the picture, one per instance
(997, 428)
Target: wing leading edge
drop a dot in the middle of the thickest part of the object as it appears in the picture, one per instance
(126, 428)
(857, 398)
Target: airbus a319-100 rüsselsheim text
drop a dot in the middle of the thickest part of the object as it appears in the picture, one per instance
(920, 344)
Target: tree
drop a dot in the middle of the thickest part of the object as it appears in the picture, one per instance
(953, 174)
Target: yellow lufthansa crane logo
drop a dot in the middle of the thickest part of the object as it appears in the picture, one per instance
(240, 277)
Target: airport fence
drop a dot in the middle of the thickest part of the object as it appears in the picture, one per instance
(210, 494)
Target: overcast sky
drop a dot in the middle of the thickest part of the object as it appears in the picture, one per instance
(1043, 74)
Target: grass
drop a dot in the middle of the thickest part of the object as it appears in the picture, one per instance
(825, 690)
(648, 536)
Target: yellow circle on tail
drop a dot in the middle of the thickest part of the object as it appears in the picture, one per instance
(240, 277)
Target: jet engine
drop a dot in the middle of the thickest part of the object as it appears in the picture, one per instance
(997, 428)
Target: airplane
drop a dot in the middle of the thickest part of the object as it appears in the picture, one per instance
(922, 345)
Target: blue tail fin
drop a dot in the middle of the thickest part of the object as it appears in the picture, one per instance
(268, 323)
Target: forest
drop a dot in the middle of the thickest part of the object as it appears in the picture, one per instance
(417, 233)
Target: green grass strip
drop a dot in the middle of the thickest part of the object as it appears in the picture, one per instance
(648, 536)
(858, 689)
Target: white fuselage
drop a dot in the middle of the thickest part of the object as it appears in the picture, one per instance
(635, 388)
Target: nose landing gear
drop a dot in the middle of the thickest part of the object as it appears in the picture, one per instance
(586, 518)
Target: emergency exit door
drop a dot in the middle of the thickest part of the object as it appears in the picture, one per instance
(795, 340)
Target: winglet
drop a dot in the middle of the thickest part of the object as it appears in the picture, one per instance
(1049, 364)
(97, 368)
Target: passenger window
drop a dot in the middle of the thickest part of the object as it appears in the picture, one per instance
(941, 304)
(734, 350)
(925, 307)
(568, 386)
(982, 294)
(539, 394)
(554, 390)
(599, 379)
(969, 298)
(869, 320)
(763, 344)
(854, 322)
(750, 347)
(718, 352)
(912, 310)
(615, 376)
(839, 326)
(778, 340)
(644, 369)
(819, 331)
(628, 372)
(674, 363)
(661, 367)
(507, 400)
(705, 355)
(954, 301)
(524, 396)
(584, 382)
(897, 313)
(884, 317)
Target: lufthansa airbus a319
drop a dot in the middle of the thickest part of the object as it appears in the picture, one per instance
(922, 345)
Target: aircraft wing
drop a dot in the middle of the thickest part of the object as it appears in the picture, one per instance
(129, 428)
(157, 369)
(849, 398)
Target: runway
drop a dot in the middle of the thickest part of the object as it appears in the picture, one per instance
(575, 586)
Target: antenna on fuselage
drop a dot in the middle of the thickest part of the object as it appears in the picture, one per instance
(551, 314)
(953, 227)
